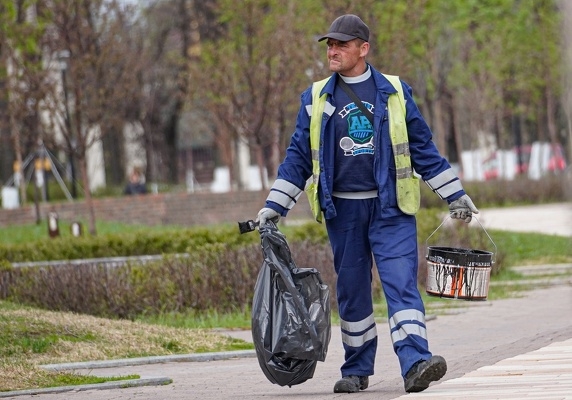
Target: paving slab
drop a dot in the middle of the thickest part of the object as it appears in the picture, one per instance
(545, 373)
(485, 345)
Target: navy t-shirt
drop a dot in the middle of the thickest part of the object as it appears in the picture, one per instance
(354, 152)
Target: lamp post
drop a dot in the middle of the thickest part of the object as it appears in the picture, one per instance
(64, 56)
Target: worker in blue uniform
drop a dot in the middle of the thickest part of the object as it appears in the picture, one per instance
(359, 164)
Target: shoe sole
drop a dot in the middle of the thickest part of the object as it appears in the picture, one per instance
(434, 370)
(346, 389)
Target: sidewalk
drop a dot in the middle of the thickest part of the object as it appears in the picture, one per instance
(519, 348)
(551, 219)
(545, 373)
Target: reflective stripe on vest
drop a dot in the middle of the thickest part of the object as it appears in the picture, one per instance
(407, 184)
(408, 192)
(318, 105)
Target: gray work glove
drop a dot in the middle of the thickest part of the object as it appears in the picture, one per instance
(267, 214)
(463, 208)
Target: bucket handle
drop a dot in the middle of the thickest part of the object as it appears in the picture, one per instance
(475, 218)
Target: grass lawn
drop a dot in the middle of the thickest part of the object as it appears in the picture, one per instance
(31, 232)
(32, 337)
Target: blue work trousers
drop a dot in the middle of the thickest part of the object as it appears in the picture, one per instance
(359, 234)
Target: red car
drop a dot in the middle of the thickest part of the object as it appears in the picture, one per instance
(555, 163)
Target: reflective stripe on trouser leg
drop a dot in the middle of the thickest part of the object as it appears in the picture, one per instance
(352, 260)
(394, 245)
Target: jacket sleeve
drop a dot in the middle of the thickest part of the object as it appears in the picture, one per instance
(296, 168)
(434, 169)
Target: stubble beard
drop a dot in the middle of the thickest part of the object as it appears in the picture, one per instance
(336, 66)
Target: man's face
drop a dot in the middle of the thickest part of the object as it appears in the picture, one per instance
(347, 58)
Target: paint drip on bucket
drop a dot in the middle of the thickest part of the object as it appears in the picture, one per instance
(458, 273)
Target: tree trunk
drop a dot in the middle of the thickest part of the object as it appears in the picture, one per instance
(88, 198)
(457, 133)
(171, 144)
(261, 166)
(551, 116)
(439, 126)
(20, 166)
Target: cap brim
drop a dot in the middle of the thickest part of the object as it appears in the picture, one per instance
(342, 37)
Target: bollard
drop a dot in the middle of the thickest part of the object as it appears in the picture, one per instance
(53, 225)
(76, 229)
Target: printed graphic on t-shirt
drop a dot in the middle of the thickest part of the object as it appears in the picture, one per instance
(360, 131)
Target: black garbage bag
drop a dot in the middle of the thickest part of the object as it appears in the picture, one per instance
(291, 325)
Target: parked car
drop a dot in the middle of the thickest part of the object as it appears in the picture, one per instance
(546, 158)
(534, 160)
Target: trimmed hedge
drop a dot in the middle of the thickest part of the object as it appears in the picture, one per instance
(216, 275)
(498, 193)
(184, 240)
(223, 265)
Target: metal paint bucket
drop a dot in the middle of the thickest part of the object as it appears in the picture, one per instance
(457, 272)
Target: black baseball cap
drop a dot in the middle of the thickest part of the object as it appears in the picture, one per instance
(347, 27)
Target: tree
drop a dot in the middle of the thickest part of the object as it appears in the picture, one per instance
(168, 38)
(511, 62)
(479, 68)
(22, 32)
(252, 74)
(99, 76)
(566, 35)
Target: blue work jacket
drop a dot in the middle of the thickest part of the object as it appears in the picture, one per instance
(425, 158)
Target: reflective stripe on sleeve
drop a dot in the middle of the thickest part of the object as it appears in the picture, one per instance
(449, 189)
(328, 109)
(284, 193)
(445, 184)
(446, 176)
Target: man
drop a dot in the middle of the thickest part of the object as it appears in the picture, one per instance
(362, 176)
(136, 184)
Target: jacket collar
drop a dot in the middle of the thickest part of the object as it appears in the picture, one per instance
(381, 82)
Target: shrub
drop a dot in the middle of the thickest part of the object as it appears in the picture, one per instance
(221, 266)
(116, 245)
(551, 188)
(219, 272)
(214, 276)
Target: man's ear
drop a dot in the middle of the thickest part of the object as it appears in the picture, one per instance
(364, 49)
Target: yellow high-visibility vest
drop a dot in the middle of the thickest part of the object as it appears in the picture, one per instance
(408, 192)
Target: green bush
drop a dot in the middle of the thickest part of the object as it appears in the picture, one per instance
(549, 189)
(122, 245)
(221, 266)
(213, 277)
(219, 271)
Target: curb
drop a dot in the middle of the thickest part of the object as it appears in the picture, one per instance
(95, 386)
(124, 362)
